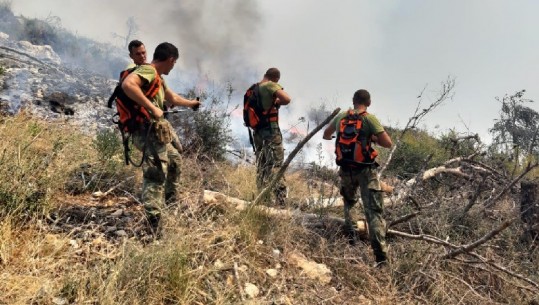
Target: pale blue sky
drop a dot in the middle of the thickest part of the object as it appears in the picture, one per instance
(328, 49)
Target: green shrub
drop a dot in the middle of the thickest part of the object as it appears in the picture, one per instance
(107, 144)
(323, 173)
(410, 156)
(457, 145)
(31, 155)
(206, 133)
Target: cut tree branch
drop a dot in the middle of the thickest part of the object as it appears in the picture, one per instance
(436, 240)
(468, 248)
(529, 167)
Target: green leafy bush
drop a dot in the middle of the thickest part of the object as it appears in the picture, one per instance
(410, 156)
(32, 154)
(457, 145)
(206, 133)
(107, 144)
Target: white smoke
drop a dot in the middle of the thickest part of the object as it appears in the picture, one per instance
(219, 42)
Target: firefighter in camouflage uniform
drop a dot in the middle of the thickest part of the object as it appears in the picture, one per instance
(356, 131)
(268, 140)
(161, 167)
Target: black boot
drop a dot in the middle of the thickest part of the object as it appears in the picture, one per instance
(350, 233)
(349, 224)
(280, 196)
(155, 229)
(381, 261)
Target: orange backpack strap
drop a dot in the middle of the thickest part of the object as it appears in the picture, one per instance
(155, 85)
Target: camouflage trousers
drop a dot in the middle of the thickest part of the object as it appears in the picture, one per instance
(366, 181)
(160, 179)
(269, 153)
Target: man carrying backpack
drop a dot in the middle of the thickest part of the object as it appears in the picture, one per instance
(161, 167)
(137, 52)
(267, 138)
(356, 131)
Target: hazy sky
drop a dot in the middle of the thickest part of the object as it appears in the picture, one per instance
(328, 49)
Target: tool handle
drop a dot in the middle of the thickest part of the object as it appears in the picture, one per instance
(195, 108)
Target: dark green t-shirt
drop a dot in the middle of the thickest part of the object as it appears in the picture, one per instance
(371, 124)
(147, 73)
(267, 93)
(267, 96)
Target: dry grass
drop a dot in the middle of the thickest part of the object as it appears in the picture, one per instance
(209, 252)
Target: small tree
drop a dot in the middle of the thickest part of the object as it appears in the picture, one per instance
(207, 131)
(515, 133)
(132, 30)
(457, 144)
(318, 114)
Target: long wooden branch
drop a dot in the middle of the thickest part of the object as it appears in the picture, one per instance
(436, 240)
(443, 169)
(291, 156)
(484, 167)
(480, 241)
(402, 219)
(309, 219)
(425, 237)
(529, 167)
(457, 171)
(431, 172)
(405, 192)
(505, 270)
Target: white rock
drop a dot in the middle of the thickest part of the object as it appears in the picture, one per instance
(117, 213)
(120, 233)
(272, 272)
(218, 264)
(74, 243)
(251, 290)
(59, 301)
(243, 268)
(311, 269)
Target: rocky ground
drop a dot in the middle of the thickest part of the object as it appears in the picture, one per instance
(35, 80)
